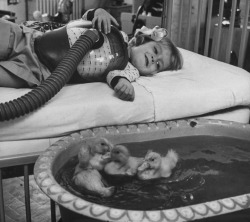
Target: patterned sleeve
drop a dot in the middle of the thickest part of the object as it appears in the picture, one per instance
(130, 73)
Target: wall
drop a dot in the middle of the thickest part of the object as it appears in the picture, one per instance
(95, 3)
(31, 8)
(19, 9)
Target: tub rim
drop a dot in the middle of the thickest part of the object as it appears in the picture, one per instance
(199, 126)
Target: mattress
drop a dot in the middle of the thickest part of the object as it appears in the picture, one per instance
(204, 87)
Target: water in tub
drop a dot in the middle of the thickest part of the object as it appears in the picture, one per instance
(209, 168)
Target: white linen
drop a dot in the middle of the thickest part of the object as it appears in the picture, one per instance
(202, 86)
(76, 107)
(37, 146)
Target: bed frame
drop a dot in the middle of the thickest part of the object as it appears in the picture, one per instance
(191, 25)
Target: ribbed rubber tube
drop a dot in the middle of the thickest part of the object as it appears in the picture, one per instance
(54, 83)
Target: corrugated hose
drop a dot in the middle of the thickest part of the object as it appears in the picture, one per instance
(54, 83)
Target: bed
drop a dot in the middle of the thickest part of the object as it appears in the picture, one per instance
(204, 87)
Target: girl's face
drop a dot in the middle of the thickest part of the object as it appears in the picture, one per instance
(150, 58)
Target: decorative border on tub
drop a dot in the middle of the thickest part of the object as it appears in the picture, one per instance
(46, 181)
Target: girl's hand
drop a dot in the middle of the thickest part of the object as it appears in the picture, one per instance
(102, 20)
(124, 90)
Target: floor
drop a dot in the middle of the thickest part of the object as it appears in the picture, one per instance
(15, 202)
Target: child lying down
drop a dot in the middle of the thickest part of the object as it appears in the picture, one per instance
(22, 65)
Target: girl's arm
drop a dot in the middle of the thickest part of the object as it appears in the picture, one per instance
(100, 18)
(124, 89)
(130, 73)
(120, 81)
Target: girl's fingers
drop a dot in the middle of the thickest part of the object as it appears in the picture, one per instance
(121, 92)
(105, 26)
(132, 95)
(127, 95)
(108, 26)
(103, 23)
(100, 24)
(93, 22)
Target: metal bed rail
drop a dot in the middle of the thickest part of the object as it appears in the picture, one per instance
(200, 30)
(22, 161)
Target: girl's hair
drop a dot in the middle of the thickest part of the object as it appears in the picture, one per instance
(176, 57)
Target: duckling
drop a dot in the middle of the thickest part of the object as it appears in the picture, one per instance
(84, 157)
(100, 151)
(121, 162)
(92, 157)
(100, 145)
(94, 154)
(91, 180)
(155, 166)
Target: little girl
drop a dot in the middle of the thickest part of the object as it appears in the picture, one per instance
(150, 51)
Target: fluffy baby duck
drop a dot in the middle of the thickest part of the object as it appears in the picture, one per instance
(91, 180)
(94, 154)
(100, 150)
(84, 156)
(155, 166)
(121, 162)
(91, 158)
(100, 145)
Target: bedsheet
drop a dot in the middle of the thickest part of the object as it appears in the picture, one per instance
(202, 87)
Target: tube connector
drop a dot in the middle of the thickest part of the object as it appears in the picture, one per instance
(93, 34)
(99, 42)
